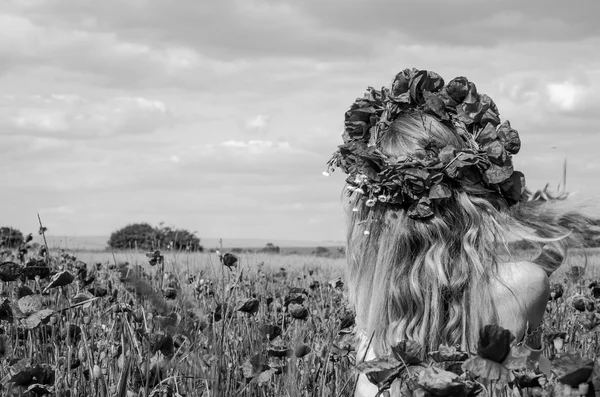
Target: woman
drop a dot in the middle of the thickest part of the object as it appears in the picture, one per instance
(431, 199)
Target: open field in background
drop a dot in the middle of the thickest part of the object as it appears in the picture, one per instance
(274, 325)
(99, 244)
(179, 262)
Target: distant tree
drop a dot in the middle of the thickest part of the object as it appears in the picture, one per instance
(10, 237)
(270, 248)
(144, 236)
(177, 238)
(321, 251)
(137, 235)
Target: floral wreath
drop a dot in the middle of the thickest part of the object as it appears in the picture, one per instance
(418, 182)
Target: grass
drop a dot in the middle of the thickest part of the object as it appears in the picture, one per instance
(273, 325)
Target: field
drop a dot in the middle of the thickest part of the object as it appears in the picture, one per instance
(185, 324)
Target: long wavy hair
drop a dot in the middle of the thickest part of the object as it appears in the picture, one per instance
(428, 280)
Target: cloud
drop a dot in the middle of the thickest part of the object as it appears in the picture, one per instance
(247, 29)
(468, 22)
(565, 95)
(75, 117)
(258, 147)
(315, 29)
(257, 124)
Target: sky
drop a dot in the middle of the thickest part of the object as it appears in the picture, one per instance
(219, 116)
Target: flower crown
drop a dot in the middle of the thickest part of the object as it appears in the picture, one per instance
(418, 182)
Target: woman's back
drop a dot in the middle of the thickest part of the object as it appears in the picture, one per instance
(520, 294)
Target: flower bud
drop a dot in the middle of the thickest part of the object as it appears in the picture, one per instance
(567, 390)
(325, 173)
(53, 320)
(542, 380)
(97, 372)
(82, 354)
(360, 191)
(558, 344)
(366, 232)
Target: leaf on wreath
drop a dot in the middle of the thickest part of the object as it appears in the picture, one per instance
(488, 370)
(441, 383)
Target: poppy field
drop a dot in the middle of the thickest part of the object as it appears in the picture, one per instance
(169, 323)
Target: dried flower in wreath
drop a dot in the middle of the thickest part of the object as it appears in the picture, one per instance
(418, 182)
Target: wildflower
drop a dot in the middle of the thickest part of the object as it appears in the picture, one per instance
(298, 311)
(251, 306)
(383, 198)
(370, 202)
(359, 191)
(355, 209)
(229, 260)
(359, 179)
(366, 232)
(556, 291)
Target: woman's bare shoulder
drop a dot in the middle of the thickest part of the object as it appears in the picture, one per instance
(524, 276)
(521, 293)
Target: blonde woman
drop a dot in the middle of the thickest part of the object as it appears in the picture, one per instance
(431, 197)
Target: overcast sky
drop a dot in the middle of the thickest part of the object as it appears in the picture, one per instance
(219, 116)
